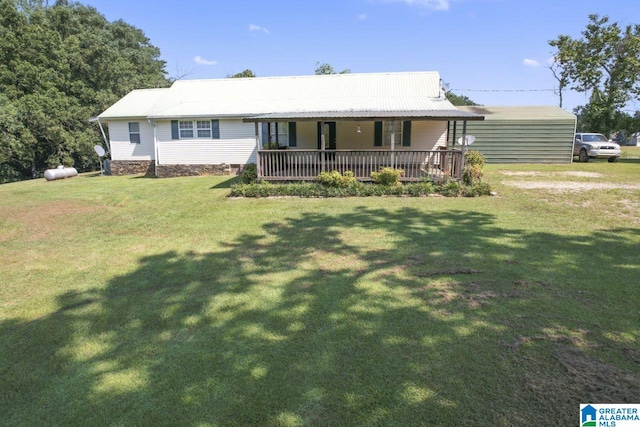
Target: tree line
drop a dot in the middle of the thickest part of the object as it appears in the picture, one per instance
(60, 65)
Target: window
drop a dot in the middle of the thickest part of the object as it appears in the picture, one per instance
(282, 133)
(134, 132)
(386, 139)
(203, 128)
(186, 129)
(190, 129)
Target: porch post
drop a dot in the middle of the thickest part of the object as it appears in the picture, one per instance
(464, 144)
(393, 143)
(455, 128)
(257, 152)
(446, 146)
(322, 146)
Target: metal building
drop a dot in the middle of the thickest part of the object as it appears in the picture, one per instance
(520, 134)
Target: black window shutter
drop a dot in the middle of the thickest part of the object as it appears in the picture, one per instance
(215, 129)
(175, 133)
(377, 134)
(293, 141)
(265, 133)
(406, 134)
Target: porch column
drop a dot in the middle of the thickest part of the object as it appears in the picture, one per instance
(464, 144)
(322, 147)
(257, 151)
(393, 143)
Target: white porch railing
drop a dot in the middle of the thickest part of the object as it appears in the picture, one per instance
(293, 164)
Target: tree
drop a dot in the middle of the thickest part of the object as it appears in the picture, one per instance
(325, 68)
(561, 74)
(59, 66)
(459, 100)
(244, 74)
(604, 63)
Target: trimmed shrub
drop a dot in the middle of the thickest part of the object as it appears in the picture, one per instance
(451, 188)
(473, 163)
(249, 173)
(335, 179)
(479, 189)
(388, 176)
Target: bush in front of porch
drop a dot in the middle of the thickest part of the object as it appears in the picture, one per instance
(450, 188)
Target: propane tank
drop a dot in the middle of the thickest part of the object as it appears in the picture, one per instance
(60, 173)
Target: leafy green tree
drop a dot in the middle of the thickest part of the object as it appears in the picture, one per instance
(59, 66)
(325, 68)
(244, 74)
(459, 100)
(604, 63)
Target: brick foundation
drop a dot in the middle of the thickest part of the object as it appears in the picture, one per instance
(132, 167)
(146, 167)
(170, 171)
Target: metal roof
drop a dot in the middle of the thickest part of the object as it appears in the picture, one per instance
(535, 112)
(137, 103)
(367, 115)
(373, 95)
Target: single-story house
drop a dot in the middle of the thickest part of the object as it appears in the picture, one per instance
(521, 134)
(291, 127)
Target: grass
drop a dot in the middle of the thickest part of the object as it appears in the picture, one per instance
(135, 301)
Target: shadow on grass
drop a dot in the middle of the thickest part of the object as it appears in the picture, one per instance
(629, 160)
(227, 183)
(381, 317)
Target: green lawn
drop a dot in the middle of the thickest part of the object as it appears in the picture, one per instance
(138, 301)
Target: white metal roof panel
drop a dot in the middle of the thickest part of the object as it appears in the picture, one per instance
(137, 103)
(336, 95)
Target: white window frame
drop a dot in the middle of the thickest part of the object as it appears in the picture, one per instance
(185, 127)
(203, 129)
(195, 129)
(133, 133)
(283, 133)
(386, 133)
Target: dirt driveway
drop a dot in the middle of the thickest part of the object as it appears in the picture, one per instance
(563, 186)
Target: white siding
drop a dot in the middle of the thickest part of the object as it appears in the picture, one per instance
(425, 135)
(122, 149)
(237, 145)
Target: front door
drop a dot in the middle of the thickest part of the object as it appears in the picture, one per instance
(329, 135)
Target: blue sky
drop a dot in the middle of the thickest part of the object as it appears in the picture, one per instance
(483, 45)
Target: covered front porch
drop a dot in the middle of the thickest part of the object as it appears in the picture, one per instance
(300, 164)
(417, 142)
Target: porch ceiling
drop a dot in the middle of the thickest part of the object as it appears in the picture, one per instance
(314, 116)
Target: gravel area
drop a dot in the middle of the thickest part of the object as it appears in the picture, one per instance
(569, 185)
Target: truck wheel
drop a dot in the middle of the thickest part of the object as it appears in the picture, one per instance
(614, 159)
(584, 157)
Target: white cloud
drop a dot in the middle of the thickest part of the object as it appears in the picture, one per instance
(253, 27)
(362, 17)
(428, 4)
(530, 63)
(201, 60)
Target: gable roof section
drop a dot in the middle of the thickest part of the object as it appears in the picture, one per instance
(137, 103)
(388, 95)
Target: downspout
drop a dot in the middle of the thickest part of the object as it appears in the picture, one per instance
(104, 136)
(155, 147)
